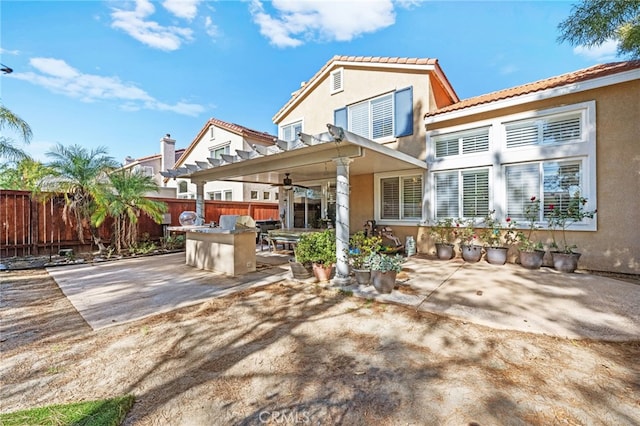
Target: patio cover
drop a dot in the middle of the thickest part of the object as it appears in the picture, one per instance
(336, 153)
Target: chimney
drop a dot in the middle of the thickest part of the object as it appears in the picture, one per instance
(167, 152)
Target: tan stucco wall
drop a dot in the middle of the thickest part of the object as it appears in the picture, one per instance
(615, 246)
(317, 107)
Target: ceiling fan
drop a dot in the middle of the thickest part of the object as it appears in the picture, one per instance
(287, 183)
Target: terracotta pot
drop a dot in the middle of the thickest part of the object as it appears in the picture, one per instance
(383, 282)
(322, 272)
(362, 276)
(471, 253)
(565, 262)
(531, 259)
(445, 251)
(496, 255)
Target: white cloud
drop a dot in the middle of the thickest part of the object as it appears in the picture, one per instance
(59, 77)
(187, 9)
(210, 28)
(151, 33)
(297, 21)
(605, 52)
(508, 69)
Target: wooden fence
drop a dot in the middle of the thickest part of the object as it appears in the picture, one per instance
(32, 227)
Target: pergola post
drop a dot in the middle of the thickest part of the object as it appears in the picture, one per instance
(342, 221)
(200, 203)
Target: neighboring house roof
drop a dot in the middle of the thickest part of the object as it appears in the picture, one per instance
(582, 75)
(245, 132)
(371, 62)
(141, 160)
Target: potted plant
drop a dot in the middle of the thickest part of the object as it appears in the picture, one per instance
(384, 268)
(444, 234)
(470, 248)
(531, 253)
(565, 259)
(319, 249)
(360, 248)
(495, 237)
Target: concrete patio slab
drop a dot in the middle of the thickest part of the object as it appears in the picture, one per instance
(544, 301)
(111, 293)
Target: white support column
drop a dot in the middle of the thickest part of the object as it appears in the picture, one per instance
(200, 203)
(342, 221)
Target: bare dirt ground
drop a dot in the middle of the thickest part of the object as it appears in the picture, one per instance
(294, 353)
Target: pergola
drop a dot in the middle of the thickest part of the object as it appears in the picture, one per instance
(336, 153)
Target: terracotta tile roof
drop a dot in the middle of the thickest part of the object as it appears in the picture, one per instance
(585, 74)
(241, 130)
(374, 60)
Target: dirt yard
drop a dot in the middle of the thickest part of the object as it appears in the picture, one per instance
(295, 353)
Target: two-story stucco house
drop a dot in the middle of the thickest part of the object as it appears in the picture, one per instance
(387, 139)
(217, 142)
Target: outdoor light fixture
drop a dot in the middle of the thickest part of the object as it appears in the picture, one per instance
(287, 182)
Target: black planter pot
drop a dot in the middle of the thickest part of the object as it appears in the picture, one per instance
(471, 253)
(531, 259)
(496, 255)
(445, 251)
(565, 262)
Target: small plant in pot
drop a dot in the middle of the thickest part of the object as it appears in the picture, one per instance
(444, 235)
(531, 252)
(318, 249)
(496, 238)
(361, 247)
(469, 242)
(565, 258)
(384, 269)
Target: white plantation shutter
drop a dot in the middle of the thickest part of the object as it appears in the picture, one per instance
(562, 130)
(523, 182)
(475, 193)
(476, 143)
(382, 117)
(447, 200)
(522, 134)
(446, 147)
(359, 119)
(390, 208)
(412, 197)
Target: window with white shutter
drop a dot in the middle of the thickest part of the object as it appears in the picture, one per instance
(462, 193)
(401, 197)
(555, 129)
(372, 119)
(359, 119)
(467, 142)
(553, 183)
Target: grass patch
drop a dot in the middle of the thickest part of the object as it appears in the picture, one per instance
(106, 412)
(345, 293)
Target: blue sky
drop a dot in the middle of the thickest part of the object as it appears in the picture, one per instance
(121, 74)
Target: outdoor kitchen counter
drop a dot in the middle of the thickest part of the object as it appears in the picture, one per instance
(229, 251)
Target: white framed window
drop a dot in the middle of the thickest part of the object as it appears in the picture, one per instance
(215, 195)
(546, 130)
(254, 195)
(266, 195)
(228, 195)
(290, 132)
(548, 154)
(462, 193)
(399, 197)
(468, 142)
(183, 186)
(336, 81)
(552, 182)
(276, 196)
(217, 151)
(372, 119)
(143, 170)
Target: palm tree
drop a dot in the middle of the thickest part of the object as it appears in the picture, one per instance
(81, 177)
(125, 202)
(8, 150)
